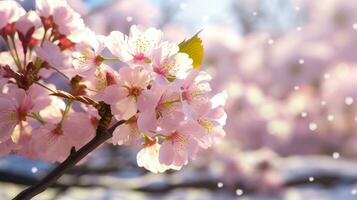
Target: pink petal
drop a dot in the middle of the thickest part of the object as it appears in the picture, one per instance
(113, 93)
(121, 134)
(6, 128)
(147, 121)
(190, 79)
(166, 153)
(125, 108)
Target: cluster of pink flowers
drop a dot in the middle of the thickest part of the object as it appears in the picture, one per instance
(290, 93)
(166, 102)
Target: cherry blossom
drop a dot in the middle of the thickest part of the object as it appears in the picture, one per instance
(28, 21)
(60, 89)
(56, 58)
(10, 12)
(59, 138)
(213, 118)
(16, 104)
(123, 96)
(104, 76)
(128, 134)
(87, 55)
(138, 47)
(65, 20)
(182, 143)
(159, 106)
(5, 148)
(195, 90)
(148, 157)
(169, 63)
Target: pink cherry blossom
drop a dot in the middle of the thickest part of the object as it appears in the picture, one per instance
(159, 107)
(137, 47)
(58, 139)
(56, 58)
(195, 90)
(127, 134)
(166, 104)
(212, 117)
(104, 76)
(28, 21)
(45, 8)
(148, 157)
(169, 63)
(182, 143)
(5, 147)
(123, 96)
(210, 120)
(87, 54)
(3, 82)
(16, 104)
(25, 146)
(8, 119)
(67, 21)
(10, 12)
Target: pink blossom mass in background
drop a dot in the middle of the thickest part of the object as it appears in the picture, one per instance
(286, 69)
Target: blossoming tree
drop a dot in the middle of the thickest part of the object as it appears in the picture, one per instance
(158, 99)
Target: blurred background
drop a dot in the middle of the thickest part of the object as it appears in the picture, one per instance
(290, 70)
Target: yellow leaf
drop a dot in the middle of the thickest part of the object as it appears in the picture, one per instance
(194, 48)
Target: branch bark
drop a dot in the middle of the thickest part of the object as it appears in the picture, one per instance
(102, 135)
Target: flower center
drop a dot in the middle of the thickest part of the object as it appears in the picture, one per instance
(176, 137)
(140, 57)
(98, 60)
(150, 142)
(186, 96)
(161, 71)
(22, 116)
(135, 91)
(207, 124)
(57, 131)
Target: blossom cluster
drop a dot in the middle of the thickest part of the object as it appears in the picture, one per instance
(152, 84)
(290, 94)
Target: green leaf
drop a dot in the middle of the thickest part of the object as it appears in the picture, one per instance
(194, 48)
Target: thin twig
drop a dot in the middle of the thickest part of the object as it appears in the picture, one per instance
(61, 73)
(44, 86)
(16, 53)
(72, 160)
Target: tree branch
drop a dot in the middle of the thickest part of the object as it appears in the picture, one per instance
(72, 160)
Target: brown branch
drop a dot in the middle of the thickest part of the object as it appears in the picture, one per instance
(72, 160)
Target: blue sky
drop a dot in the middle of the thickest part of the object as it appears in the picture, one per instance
(195, 14)
(198, 13)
